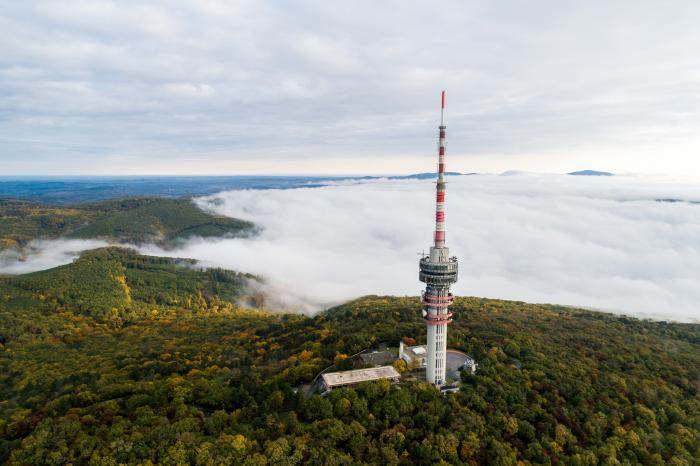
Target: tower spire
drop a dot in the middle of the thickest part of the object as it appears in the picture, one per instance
(440, 200)
(438, 271)
(442, 110)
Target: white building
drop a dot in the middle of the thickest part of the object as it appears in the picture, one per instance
(333, 380)
(415, 356)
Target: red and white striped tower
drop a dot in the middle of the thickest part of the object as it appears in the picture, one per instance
(438, 271)
(440, 200)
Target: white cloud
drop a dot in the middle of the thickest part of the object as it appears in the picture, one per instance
(605, 243)
(44, 254)
(190, 90)
(597, 242)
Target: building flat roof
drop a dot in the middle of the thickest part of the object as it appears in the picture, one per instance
(415, 351)
(335, 379)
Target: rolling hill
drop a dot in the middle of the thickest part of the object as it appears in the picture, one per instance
(135, 220)
(115, 359)
(117, 286)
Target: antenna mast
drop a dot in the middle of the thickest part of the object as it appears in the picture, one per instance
(438, 271)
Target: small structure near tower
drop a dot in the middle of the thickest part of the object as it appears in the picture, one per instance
(333, 380)
(415, 356)
(438, 271)
(455, 361)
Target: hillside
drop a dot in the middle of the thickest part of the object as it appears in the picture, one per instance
(212, 383)
(116, 286)
(136, 220)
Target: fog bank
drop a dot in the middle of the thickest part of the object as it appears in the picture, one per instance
(44, 254)
(620, 244)
(605, 243)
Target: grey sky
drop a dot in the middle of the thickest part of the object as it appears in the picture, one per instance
(215, 87)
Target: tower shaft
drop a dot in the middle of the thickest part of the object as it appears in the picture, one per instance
(438, 271)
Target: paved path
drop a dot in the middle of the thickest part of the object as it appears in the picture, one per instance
(455, 359)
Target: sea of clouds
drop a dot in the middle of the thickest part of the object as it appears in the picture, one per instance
(605, 243)
(601, 242)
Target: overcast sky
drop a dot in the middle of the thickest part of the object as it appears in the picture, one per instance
(244, 87)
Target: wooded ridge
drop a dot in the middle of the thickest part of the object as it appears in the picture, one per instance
(153, 361)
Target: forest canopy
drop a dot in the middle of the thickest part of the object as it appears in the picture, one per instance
(132, 220)
(154, 361)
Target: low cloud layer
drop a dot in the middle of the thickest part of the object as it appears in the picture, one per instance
(606, 243)
(44, 254)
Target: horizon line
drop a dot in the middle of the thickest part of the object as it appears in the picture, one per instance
(311, 175)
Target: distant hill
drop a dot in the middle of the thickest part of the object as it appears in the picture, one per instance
(590, 173)
(78, 190)
(675, 200)
(162, 220)
(70, 191)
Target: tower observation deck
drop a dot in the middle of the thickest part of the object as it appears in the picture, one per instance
(438, 271)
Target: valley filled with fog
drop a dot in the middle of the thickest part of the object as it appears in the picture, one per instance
(620, 244)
